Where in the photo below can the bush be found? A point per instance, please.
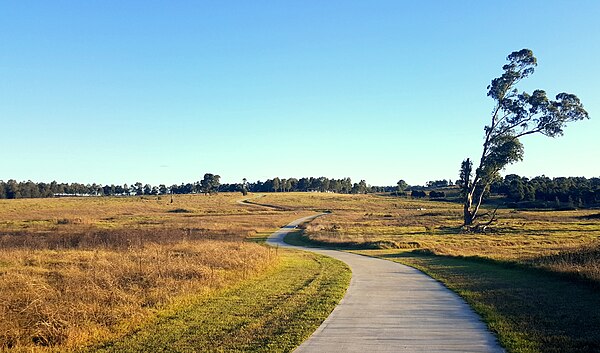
(436, 194)
(418, 194)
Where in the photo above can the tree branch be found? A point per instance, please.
(529, 132)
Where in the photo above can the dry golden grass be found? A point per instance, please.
(215, 215)
(77, 270)
(529, 310)
(71, 297)
(550, 239)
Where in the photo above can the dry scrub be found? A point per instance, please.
(77, 270)
(561, 241)
(71, 297)
(583, 262)
(216, 215)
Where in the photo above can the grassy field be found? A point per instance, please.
(535, 279)
(111, 272)
(71, 222)
(79, 270)
(272, 313)
(530, 311)
(561, 241)
(67, 298)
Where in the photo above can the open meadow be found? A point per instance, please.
(76, 272)
(108, 273)
(309, 176)
(562, 241)
(533, 278)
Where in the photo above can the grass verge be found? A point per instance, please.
(529, 310)
(274, 312)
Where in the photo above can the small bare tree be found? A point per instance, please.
(515, 115)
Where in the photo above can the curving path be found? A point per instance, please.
(248, 202)
(390, 307)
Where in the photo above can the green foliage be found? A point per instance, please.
(504, 149)
(244, 187)
(402, 185)
(439, 183)
(436, 194)
(547, 192)
(210, 183)
(419, 194)
(515, 115)
(464, 179)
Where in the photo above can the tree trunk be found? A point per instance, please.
(467, 216)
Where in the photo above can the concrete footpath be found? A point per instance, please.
(390, 307)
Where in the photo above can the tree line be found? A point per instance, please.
(29, 189)
(210, 183)
(543, 191)
(320, 184)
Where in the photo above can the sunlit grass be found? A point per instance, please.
(534, 279)
(395, 222)
(75, 270)
(531, 311)
(220, 213)
(272, 313)
(98, 249)
(66, 298)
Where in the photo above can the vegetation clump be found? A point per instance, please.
(179, 210)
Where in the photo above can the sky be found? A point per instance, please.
(162, 92)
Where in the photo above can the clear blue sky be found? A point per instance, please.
(162, 92)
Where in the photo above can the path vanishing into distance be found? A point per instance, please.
(390, 307)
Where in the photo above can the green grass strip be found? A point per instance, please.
(272, 313)
(529, 310)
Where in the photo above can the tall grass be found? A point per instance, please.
(272, 312)
(559, 241)
(216, 214)
(582, 262)
(66, 298)
(74, 271)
